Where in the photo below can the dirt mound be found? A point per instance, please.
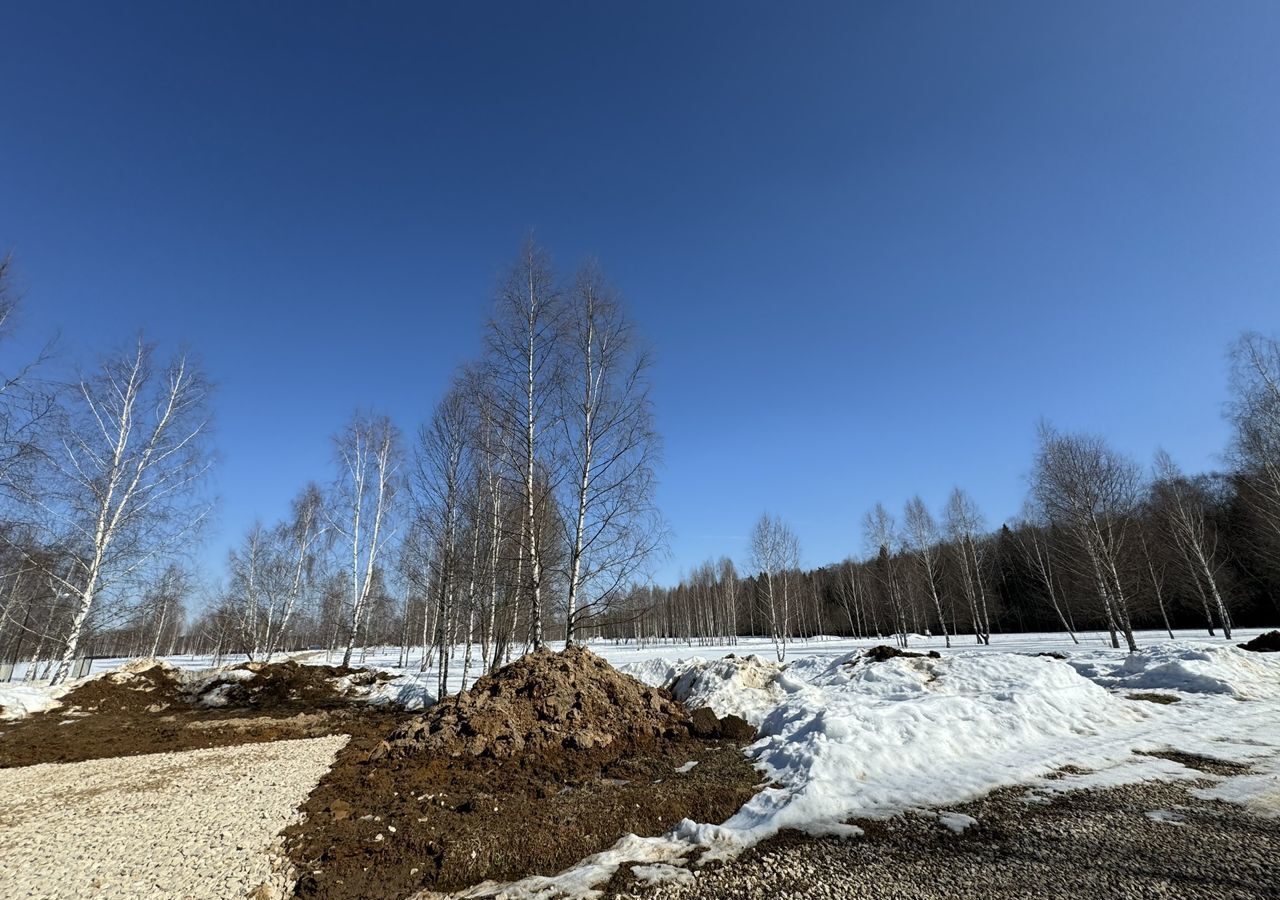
(145, 685)
(283, 685)
(884, 652)
(704, 723)
(545, 702)
(542, 763)
(1268, 642)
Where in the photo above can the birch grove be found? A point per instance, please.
(122, 476)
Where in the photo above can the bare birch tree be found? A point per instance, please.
(1091, 491)
(524, 369)
(964, 524)
(923, 539)
(880, 537)
(611, 447)
(1180, 504)
(1254, 412)
(368, 451)
(121, 476)
(775, 550)
(441, 473)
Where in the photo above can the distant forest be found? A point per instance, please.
(521, 512)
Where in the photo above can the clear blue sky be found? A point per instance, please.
(872, 242)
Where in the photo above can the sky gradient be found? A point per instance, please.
(872, 243)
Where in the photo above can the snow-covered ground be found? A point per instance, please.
(844, 738)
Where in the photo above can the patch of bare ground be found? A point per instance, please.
(1146, 840)
(147, 709)
(548, 760)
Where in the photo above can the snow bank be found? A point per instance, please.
(850, 738)
(1189, 669)
(18, 700)
(412, 691)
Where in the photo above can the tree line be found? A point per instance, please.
(519, 512)
(1103, 543)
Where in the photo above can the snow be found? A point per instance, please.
(957, 822)
(18, 699)
(687, 767)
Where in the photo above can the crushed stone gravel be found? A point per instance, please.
(196, 824)
(1083, 844)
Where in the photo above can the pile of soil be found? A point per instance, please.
(545, 702)
(147, 707)
(141, 686)
(1268, 642)
(287, 684)
(884, 652)
(546, 761)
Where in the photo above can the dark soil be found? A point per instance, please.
(1268, 642)
(1150, 697)
(1208, 764)
(548, 760)
(544, 702)
(884, 652)
(147, 711)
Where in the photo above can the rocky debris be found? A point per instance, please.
(884, 652)
(1268, 642)
(704, 723)
(544, 702)
(1052, 654)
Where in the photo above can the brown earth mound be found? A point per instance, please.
(141, 686)
(284, 685)
(884, 652)
(545, 702)
(544, 762)
(1268, 642)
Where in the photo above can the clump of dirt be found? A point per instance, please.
(884, 652)
(1268, 642)
(1052, 654)
(1151, 697)
(545, 702)
(704, 723)
(544, 762)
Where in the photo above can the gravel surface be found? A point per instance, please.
(198, 824)
(1147, 840)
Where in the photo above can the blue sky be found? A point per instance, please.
(872, 243)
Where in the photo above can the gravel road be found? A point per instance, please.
(1146, 840)
(198, 824)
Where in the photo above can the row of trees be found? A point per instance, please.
(519, 512)
(1101, 544)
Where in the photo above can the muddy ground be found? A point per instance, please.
(552, 759)
(148, 711)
